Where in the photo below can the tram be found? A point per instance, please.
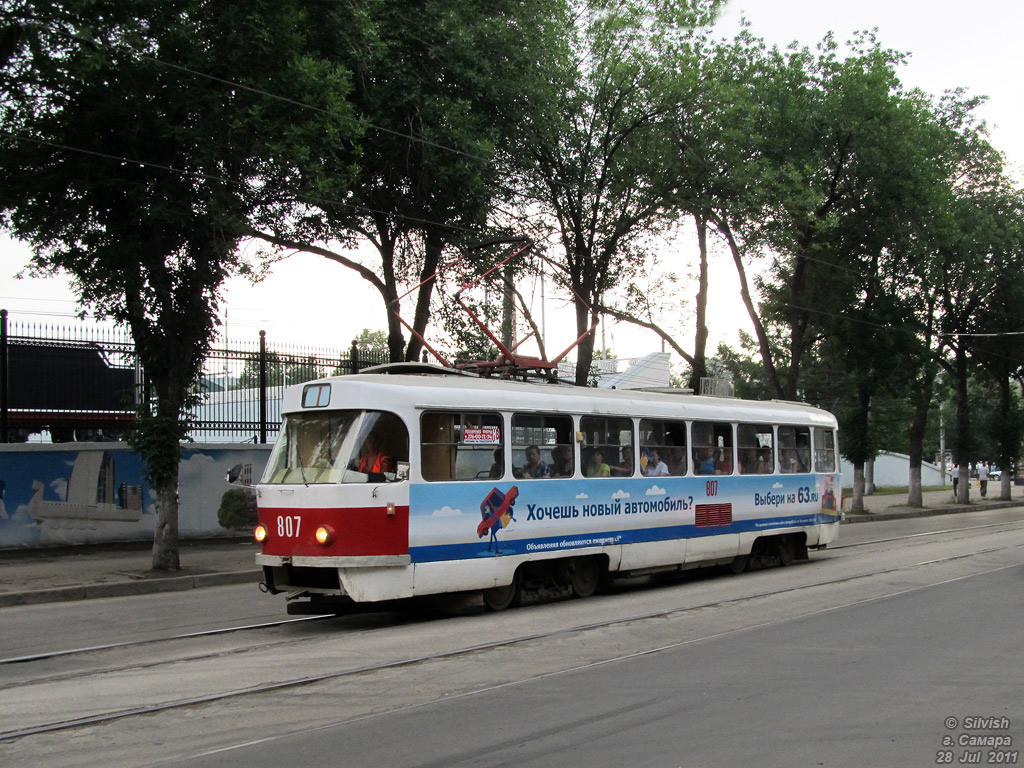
(414, 479)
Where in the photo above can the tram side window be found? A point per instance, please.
(756, 445)
(607, 441)
(461, 445)
(824, 450)
(794, 449)
(542, 446)
(712, 448)
(662, 442)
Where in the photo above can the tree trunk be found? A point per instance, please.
(165, 536)
(963, 429)
(922, 400)
(857, 505)
(699, 367)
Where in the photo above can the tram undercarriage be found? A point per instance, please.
(314, 590)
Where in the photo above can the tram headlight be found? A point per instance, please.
(260, 533)
(324, 535)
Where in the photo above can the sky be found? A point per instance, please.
(308, 300)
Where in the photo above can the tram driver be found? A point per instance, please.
(373, 459)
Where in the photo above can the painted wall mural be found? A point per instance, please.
(88, 493)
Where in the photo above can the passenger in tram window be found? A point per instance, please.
(374, 460)
(534, 466)
(498, 467)
(705, 461)
(561, 461)
(724, 464)
(625, 467)
(655, 466)
(676, 461)
(789, 463)
(596, 466)
(764, 463)
(803, 453)
(748, 462)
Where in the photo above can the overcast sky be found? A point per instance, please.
(974, 45)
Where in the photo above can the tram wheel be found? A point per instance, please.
(500, 598)
(786, 550)
(739, 563)
(586, 575)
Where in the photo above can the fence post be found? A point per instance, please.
(353, 357)
(3, 376)
(263, 387)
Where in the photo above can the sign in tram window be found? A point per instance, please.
(662, 448)
(794, 449)
(824, 450)
(712, 448)
(461, 446)
(756, 445)
(542, 446)
(607, 442)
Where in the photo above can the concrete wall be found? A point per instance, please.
(86, 493)
(893, 469)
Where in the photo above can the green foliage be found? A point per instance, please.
(372, 342)
(595, 157)
(235, 510)
(747, 374)
(141, 140)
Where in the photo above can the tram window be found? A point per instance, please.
(461, 445)
(712, 448)
(824, 450)
(607, 441)
(331, 447)
(756, 446)
(794, 449)
(668, 439)
(542, 446)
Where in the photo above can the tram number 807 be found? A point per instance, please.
(288, 526)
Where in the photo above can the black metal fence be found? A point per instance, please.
(82, 383)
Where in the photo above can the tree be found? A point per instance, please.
(807, 156)
(980, 296)
(139, 140)
(595, 162)
(441, 86)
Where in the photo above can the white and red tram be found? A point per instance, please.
(524, 490)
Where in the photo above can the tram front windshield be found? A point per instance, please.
(349, 446)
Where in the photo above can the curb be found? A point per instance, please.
(871, 517)
(128, 588)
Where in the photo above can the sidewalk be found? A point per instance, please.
(32, 576)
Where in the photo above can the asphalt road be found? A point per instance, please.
(863, 656)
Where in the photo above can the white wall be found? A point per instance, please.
(893, 469)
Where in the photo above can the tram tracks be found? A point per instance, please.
(115, 714)
(264, 625)
(150, 641)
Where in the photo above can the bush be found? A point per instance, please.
(235, 510)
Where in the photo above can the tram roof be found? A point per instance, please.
(412, 391)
